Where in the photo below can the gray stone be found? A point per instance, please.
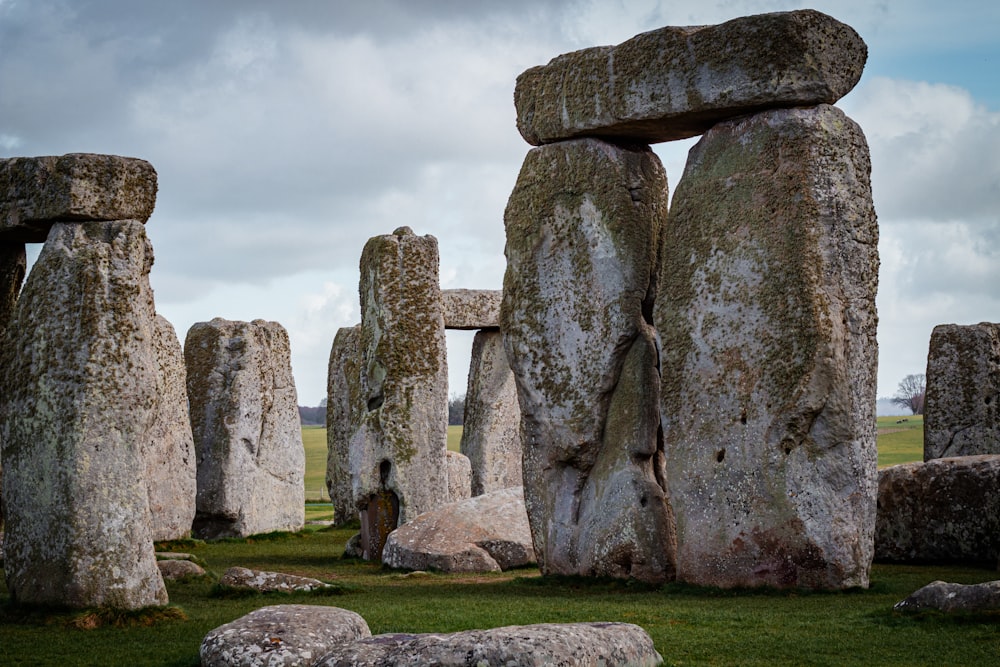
(286, 635)
(488, 533)
(766, 313)
(344, 412)
(79, 372)
(952, 598)
(962, 405)
(677, 82)
(245, 422)
(269, 582)
(174, 569)
(13, 265)
(398, 460)
(471, 309)
(605, 644)
(584, 226)
(943, 510)
(459, 476)
(171, 468)
(38, 191)
(491, 436)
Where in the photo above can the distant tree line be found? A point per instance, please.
(911, 392)
(313, 416)
(456, 410)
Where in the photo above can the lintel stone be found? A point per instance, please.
(471, 309)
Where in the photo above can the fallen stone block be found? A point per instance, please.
(173, 569)
(269, 582)
(953, 598)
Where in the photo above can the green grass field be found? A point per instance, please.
(900, 440)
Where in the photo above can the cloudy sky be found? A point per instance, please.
(285, 134)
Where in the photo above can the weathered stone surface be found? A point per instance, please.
(606, 644)
(13, 264)
(459, 476)
(398, 461)
(245, 423)
(491, 436)
(677, 82)
(943, 510)
(488, 533)
(951, 598)
(766, 312)
(962, 405)
(38, 191)
(269, 582)
(584, 226)
(171, 468)
(173, 569)
(287, 634)
(344, 411)
(471, 308)
(79, 373)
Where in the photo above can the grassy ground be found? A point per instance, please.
(314, 439)
(900, 440)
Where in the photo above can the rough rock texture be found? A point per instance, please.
(675, 82)
(584, 226)
(491, 436)
(766, 312)
(172, 569)
(38, 191)
(287, 634)
(962, 405)
(471, 309)
(268, 582)
(79, 373)
(951, 598)
(605, 644)
(398, 461)
(459, 476)
(245, 422)
(13, 264)
(488, 533)
(944, 510)
(344, 411)
(171, 468)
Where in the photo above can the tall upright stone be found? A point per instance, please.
(491, 436)
(766, 312)
(344, 410)
(245, 422)
(584, 226)
(79, 373)
(398, 460)
(13, 265)
(962, 405)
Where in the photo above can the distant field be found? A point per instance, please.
(900, 440)
(314, 439)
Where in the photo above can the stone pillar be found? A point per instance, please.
(400, 447)
(79, 373)
(245, 421)
(344, 410)
(766, 311)
(962, 406)
(13, 264)
(491, 437)
(584, 225)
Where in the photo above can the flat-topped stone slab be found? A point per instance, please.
(36, 192)
(677, 82)
(471, 308)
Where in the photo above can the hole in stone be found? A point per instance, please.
(743, 416)
(788, 450)
(375, 402)
(384, 469)
(989, 399)
(720, 455)
(643, 501)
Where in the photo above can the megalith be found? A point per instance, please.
(79, 373)
(398, 460)
(766, 313)
(962, 404)
(13, 265)
(471, 308)
(344, 410)
(245, 422)
(491, 436)
(584, 226)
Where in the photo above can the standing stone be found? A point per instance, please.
(171, 468)
(491, 436)
(459, 476)
(766, 312)
(677, 82)
(79, 373)
(13, 264)
(398, 461)
(962, 406)
(584, 225)
(344, 411)
(245, 421)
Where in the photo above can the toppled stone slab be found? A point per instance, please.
(488, 533)
(38, 191)
(677, 82)
(173, 569)
(79, 376)
(245, 422)
(962, 406)
(943, 510)
(288, 634)
(606, 644)
(766, 312)
(953, 598)
(269, 582)
(471, 309)
(344, 412)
